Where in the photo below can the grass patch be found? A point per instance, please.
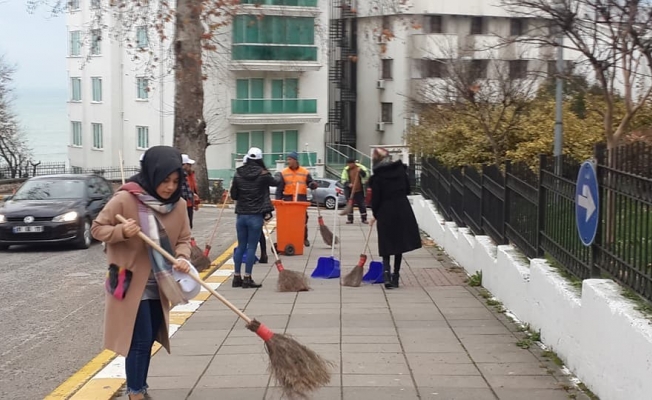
(525, 343)
(640, 304)
(586, 391)
(552, 356)
(575, 282)
(485, 294)
(475, 280)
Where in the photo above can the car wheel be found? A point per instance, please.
(330, 203)
(86, 238)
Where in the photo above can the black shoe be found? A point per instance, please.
(248, 283)
(306, 243)
(237, 281)
(395, 278)
(364, 221)
(387, 278)
(349, 222)
(263, 259)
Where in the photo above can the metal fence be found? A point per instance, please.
(535, 210)
(110, 173)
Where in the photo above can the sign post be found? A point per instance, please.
(587, 204)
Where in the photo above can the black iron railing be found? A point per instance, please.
(535, 210)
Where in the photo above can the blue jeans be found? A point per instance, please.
(249, 228)
(148, 322)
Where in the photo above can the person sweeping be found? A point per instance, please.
(250, 190)
(295, 181)
(141, 286)
(398, 231)
(354, 177)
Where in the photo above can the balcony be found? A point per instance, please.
(273, 57)
(273, 111)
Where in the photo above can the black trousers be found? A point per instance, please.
(397, 263)
(191, 212)
(263, 244)
(358, 199)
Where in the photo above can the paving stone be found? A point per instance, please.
(531, 368)
(451, 381)
(233, 381)
(379, 393)
(170, 365)
(531, 394)
(522, 382)
(379, 340)
(171, 382)
(519, 355)
(438, 393)
(371, 347)
(168, 394)
(351, 380)
(235, 364)
(230, 394)
(369, 363)
(325, 393)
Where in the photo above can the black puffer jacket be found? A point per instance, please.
(250, 189)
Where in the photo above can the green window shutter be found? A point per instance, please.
(291, 88)
(241, 143)
(291, 141)
(242, 88)
(258, 140)
(293, 31)
(277, 88)
(277, 145)
(257, 88)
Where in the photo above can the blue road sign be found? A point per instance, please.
(587, 203)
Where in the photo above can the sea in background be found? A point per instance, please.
(43, 117)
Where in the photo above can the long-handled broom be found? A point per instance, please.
(198, 258)
(288, 281)
(354, 278)
(296, 368)
(349, 204)
(207, 248)
(326, 233)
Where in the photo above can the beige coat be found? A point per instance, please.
(120, 315)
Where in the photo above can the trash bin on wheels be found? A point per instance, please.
(290, 226)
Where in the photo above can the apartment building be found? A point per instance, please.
(120, 99)
(266, 86)
(401, 52)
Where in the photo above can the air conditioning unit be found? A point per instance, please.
(380, 84)
(380, 127)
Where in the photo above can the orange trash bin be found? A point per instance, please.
(290, 226)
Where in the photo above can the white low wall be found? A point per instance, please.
(598, 334)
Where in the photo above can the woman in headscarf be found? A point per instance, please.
(250, 190)
(398, 231)
(139, 296)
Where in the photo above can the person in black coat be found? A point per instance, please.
(250, 190)
(398, 231)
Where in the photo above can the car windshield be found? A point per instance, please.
(51, 190)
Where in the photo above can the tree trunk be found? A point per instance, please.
(189, 125)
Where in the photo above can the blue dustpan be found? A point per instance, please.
(375, 273)
(327, 268)
(244, 257)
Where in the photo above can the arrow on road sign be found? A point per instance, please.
(585, 200)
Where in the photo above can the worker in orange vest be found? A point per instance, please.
(296, 180)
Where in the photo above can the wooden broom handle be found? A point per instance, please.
(268, 236)
(366, 243)
(219, 218)
(173, 260)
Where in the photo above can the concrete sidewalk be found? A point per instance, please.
(433, 338)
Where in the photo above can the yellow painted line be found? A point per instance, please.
(80, 383)
(202, 296)
(216, 279)
(178, 318)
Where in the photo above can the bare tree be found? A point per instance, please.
(14, 151)
(613, 38)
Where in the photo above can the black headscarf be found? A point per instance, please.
(159, 162)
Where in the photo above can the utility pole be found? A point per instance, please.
(559, 96)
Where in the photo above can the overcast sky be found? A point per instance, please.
(36, 43)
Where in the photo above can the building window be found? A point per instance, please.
(96, 42)
(142, 40)
(285, 88)
(478, 69)
(95, 4)
(517, 69)
(245, 140)
(98, 136)
(73, 5)
(433, 68)
(75, 44)
(284, 142)
(143, 137)
(386, 112)
(477, 26)
(517, 26)
(434, 24)
(386, 72)
(76, 128)
(274, 38)
(75, 89)
(142, 88)
(97, 89)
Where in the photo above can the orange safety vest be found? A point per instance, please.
(292, 178)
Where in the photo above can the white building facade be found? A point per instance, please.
(266, 87)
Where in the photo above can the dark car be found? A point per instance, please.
(53, 209)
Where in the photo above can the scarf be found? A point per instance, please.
(150, 225)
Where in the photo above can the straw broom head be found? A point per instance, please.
(297, 369)
(290, 281)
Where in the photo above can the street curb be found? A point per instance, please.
(82, 380)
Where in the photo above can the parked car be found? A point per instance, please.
(53, 209)
(325, 194)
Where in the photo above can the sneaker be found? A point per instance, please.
(387, 279)
(237, 281)
(248, 283)
(395, 279)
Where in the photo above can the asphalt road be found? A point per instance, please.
(51, 309)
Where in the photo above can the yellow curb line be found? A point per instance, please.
(81, 381)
